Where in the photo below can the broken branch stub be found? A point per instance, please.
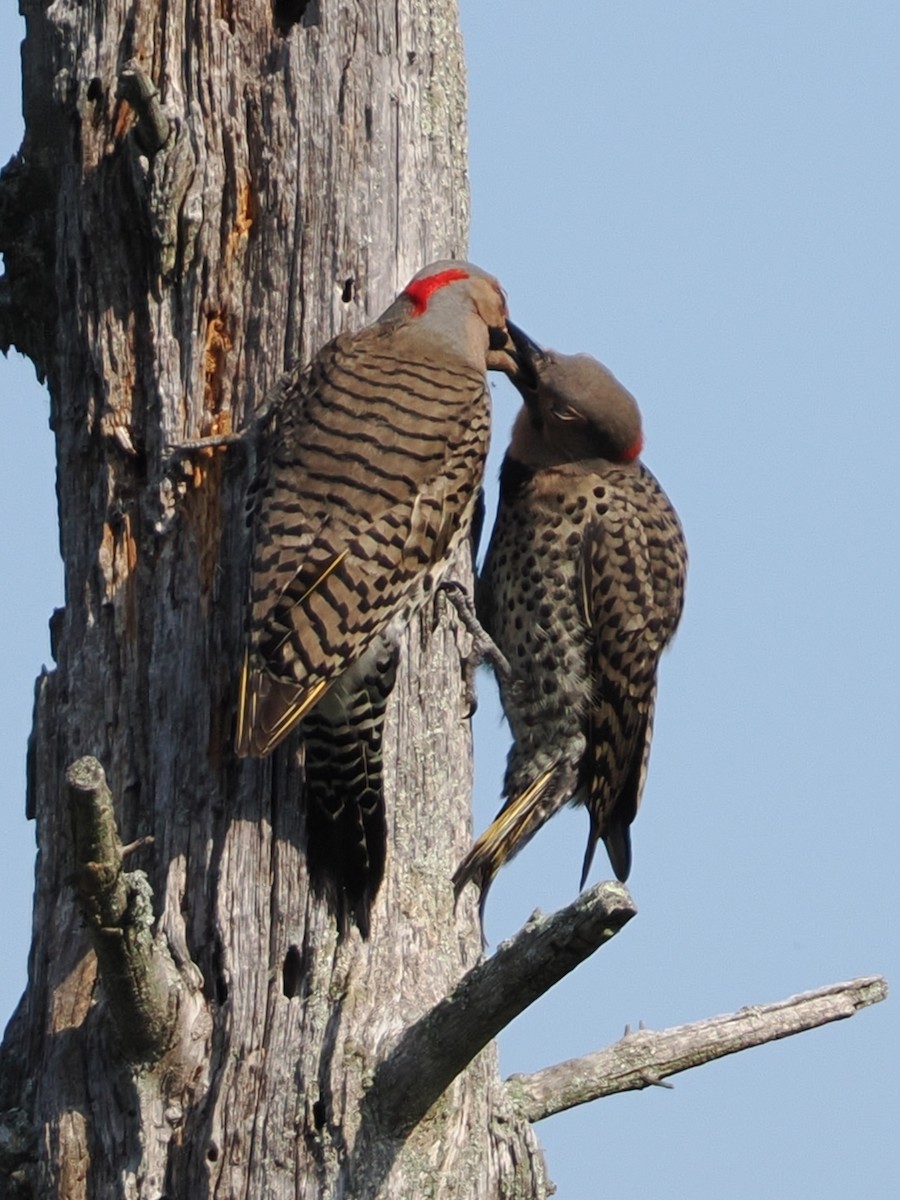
(139, 979)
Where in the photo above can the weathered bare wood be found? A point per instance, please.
(269, 174)
(646, 1057)
(138, 976)
(315, 159)
(433, 1051)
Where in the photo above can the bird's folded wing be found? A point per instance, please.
(351, 581)
(617, 599)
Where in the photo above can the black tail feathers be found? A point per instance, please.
(345, 830)
(345, 813)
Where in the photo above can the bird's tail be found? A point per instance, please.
(515, 825)
(345, 815)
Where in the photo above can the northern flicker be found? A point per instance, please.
(370, 471)
(582, 588)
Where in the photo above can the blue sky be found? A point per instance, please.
(704, 196)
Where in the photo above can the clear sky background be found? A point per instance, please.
(705, 196)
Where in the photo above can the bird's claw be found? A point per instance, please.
(483, 647)
(178, 451)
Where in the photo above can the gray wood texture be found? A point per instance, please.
(206, 194)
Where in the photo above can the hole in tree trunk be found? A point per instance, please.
(347, 293)
(289, 13)
(291, 972)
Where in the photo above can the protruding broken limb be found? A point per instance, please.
(164, 169)
(483, 649)
(140, 981)
(441, 1044)
(645, 1058)
(139, 91)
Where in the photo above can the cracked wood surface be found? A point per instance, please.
(289, 178)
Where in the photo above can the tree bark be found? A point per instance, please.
(206, 194)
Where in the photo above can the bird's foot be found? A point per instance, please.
(202, 447)
(484, 649)
(186, 466)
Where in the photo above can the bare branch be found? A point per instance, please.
(138, 977)
(433, 1051)
(645, 1058)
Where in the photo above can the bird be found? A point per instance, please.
(582, 589)
(369, 474)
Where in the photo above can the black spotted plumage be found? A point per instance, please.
(582, 588)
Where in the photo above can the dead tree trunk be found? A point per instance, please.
(205, 194)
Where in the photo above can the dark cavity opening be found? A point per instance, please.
(291, 972)
(289, 13)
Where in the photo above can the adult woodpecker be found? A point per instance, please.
(582, 589)
(371, 468)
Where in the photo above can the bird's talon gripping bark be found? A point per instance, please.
(202, 446)
(483, 647)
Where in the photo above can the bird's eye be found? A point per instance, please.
(565, 412)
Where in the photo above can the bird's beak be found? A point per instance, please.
(527, 356)
(513, 352)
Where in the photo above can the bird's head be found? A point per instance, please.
(574, 408)
(462, 306)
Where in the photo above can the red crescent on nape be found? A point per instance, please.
(420, 291)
